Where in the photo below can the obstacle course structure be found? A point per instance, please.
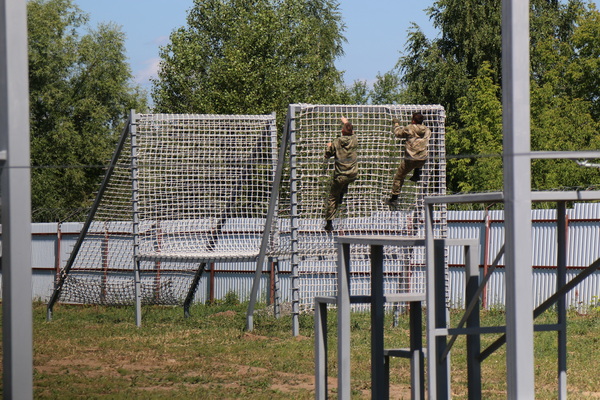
(180, 192)
(305, 186)
(183, 191)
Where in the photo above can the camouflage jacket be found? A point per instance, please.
(343, 149)
(417, 140)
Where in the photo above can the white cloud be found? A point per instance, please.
(161, 40)
(149, 71)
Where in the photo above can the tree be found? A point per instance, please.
(565, 72)
(358, 93)
(480, 111)
(251, 56)
(388, 89)
(80, 95)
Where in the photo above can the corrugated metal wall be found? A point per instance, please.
(583, 249)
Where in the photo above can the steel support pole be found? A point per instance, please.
(295, 225)
(277, 173)
(136, 221)
(430, 298)
(561, 280)
(440, 313)
(343, 329)
(379, 387)
(320, 349)
(517, 193)
(417, 367)
(473, 321)
(17, 315)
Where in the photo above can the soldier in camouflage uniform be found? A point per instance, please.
(343, 149)
(415, 152)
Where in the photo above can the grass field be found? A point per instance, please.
(92, 352)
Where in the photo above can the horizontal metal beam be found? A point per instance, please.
(492, 197)
(578, 195)
(565, 154)
(381, 240)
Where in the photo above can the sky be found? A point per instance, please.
(376, 31)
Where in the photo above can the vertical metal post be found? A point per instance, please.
(104, 252)
(417, 368)
(561, 280)
(58, 253)
(517, 191)
(211, 284)
(379, 388)
(473, 340)
(343, 329)
(260, 261)
(294, 221)
(136, 221)
(438, 346)
(430, 295)
(17, 315)
(276, 290)
(486, 255)
(320, 350)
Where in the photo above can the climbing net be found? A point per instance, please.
(185, 190)
(364, 210)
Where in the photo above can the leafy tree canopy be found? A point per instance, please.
(461, 69)
(251, 56)
(80, 94)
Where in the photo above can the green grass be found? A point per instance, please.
(97, 352)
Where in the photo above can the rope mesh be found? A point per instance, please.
(203, 184)
(203, 187)
(364, 210)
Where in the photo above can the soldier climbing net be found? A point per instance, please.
(181, 191)
(186, 190)
(364, 210)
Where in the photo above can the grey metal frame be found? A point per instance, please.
(517, 197)
(517, 186)
(438, 362)
(17, 315)
(438, 371)
(379, 354)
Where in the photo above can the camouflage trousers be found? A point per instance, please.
(405, 167)
(339, 187)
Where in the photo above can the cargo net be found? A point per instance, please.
(364, 210)
(201, 186)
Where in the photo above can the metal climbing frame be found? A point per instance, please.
(438, 330)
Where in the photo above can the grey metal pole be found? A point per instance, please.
(267, 229)
(561, 280)
(295, 224)
(473, 321)
(379, 386)
(517, 191)
(343, 329)
(17, 315)
(437, 348)
(320, 350)
(136, 221)
(417, 367)
(430, 301)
